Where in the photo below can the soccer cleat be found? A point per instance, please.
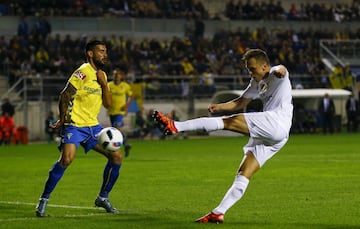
(164, 123)
(41, 207)
(211, 218)
(127, 150)
(105, 203)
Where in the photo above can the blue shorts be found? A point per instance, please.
(84, 136)
(117, 120)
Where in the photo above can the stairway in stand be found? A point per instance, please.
(4, 87)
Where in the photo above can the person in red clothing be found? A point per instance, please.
(7, 126)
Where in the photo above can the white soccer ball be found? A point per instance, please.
(110, 139)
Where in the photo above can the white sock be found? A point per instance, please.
(234, 194)
(207, 124)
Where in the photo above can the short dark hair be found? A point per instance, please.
(90, 46)
(258, 54)
(123, 68)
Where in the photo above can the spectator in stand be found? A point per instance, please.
(7, 107)
(42, 27)
(310, 122)
(42, 59)
(140, 130)
(50, 132)
(23, 28)
(7, 126)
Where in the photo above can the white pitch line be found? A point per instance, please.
(65, 216)
(50, 205)
(56, 206)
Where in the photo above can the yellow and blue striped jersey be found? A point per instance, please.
(85, 105)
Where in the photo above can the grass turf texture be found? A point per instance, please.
(313, 182)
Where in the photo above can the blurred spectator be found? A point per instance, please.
(42, 59)
(23, 28)
(199, 28)
(326, 109)
(349, 79)
(42, 27)
(7, 107)
(140, 128)
(7, 126)
(310, 122)
(50, 132)
(299, 118)
(352, 112)
(337, 77)
(189, 27)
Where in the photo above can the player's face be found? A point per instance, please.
(256, 69)
(100, 57)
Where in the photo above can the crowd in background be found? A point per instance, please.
(303, 11)
(233, 9)
(39, 52)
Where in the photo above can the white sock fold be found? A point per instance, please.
(234, 194)
(207, 124)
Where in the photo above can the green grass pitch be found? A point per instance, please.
(313, 182)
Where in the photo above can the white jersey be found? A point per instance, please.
(275, 94)
(269, 130)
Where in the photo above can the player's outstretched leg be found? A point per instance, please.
(211, 218)
(165, 124)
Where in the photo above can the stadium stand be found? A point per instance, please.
(38, 52)
(310, 39)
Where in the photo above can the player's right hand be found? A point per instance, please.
(100, 74)
(212, 108)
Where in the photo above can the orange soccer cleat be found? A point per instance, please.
(165, 123)
(211, 218)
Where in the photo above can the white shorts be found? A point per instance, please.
(261, 151)
(267, 134)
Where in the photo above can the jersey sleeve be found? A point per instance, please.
(251, 91)
(77, 78)
(129, 91)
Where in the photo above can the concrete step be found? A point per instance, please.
(4, 87)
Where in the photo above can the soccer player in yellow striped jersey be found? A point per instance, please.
(122, 96)
(79, 105)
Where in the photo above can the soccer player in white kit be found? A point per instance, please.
(268, 130)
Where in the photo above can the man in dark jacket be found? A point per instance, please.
(326, 109)
(352, 110)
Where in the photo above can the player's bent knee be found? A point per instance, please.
(116, 157)
(66, 161)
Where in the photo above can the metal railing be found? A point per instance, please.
(31, 88)
(341, 51)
